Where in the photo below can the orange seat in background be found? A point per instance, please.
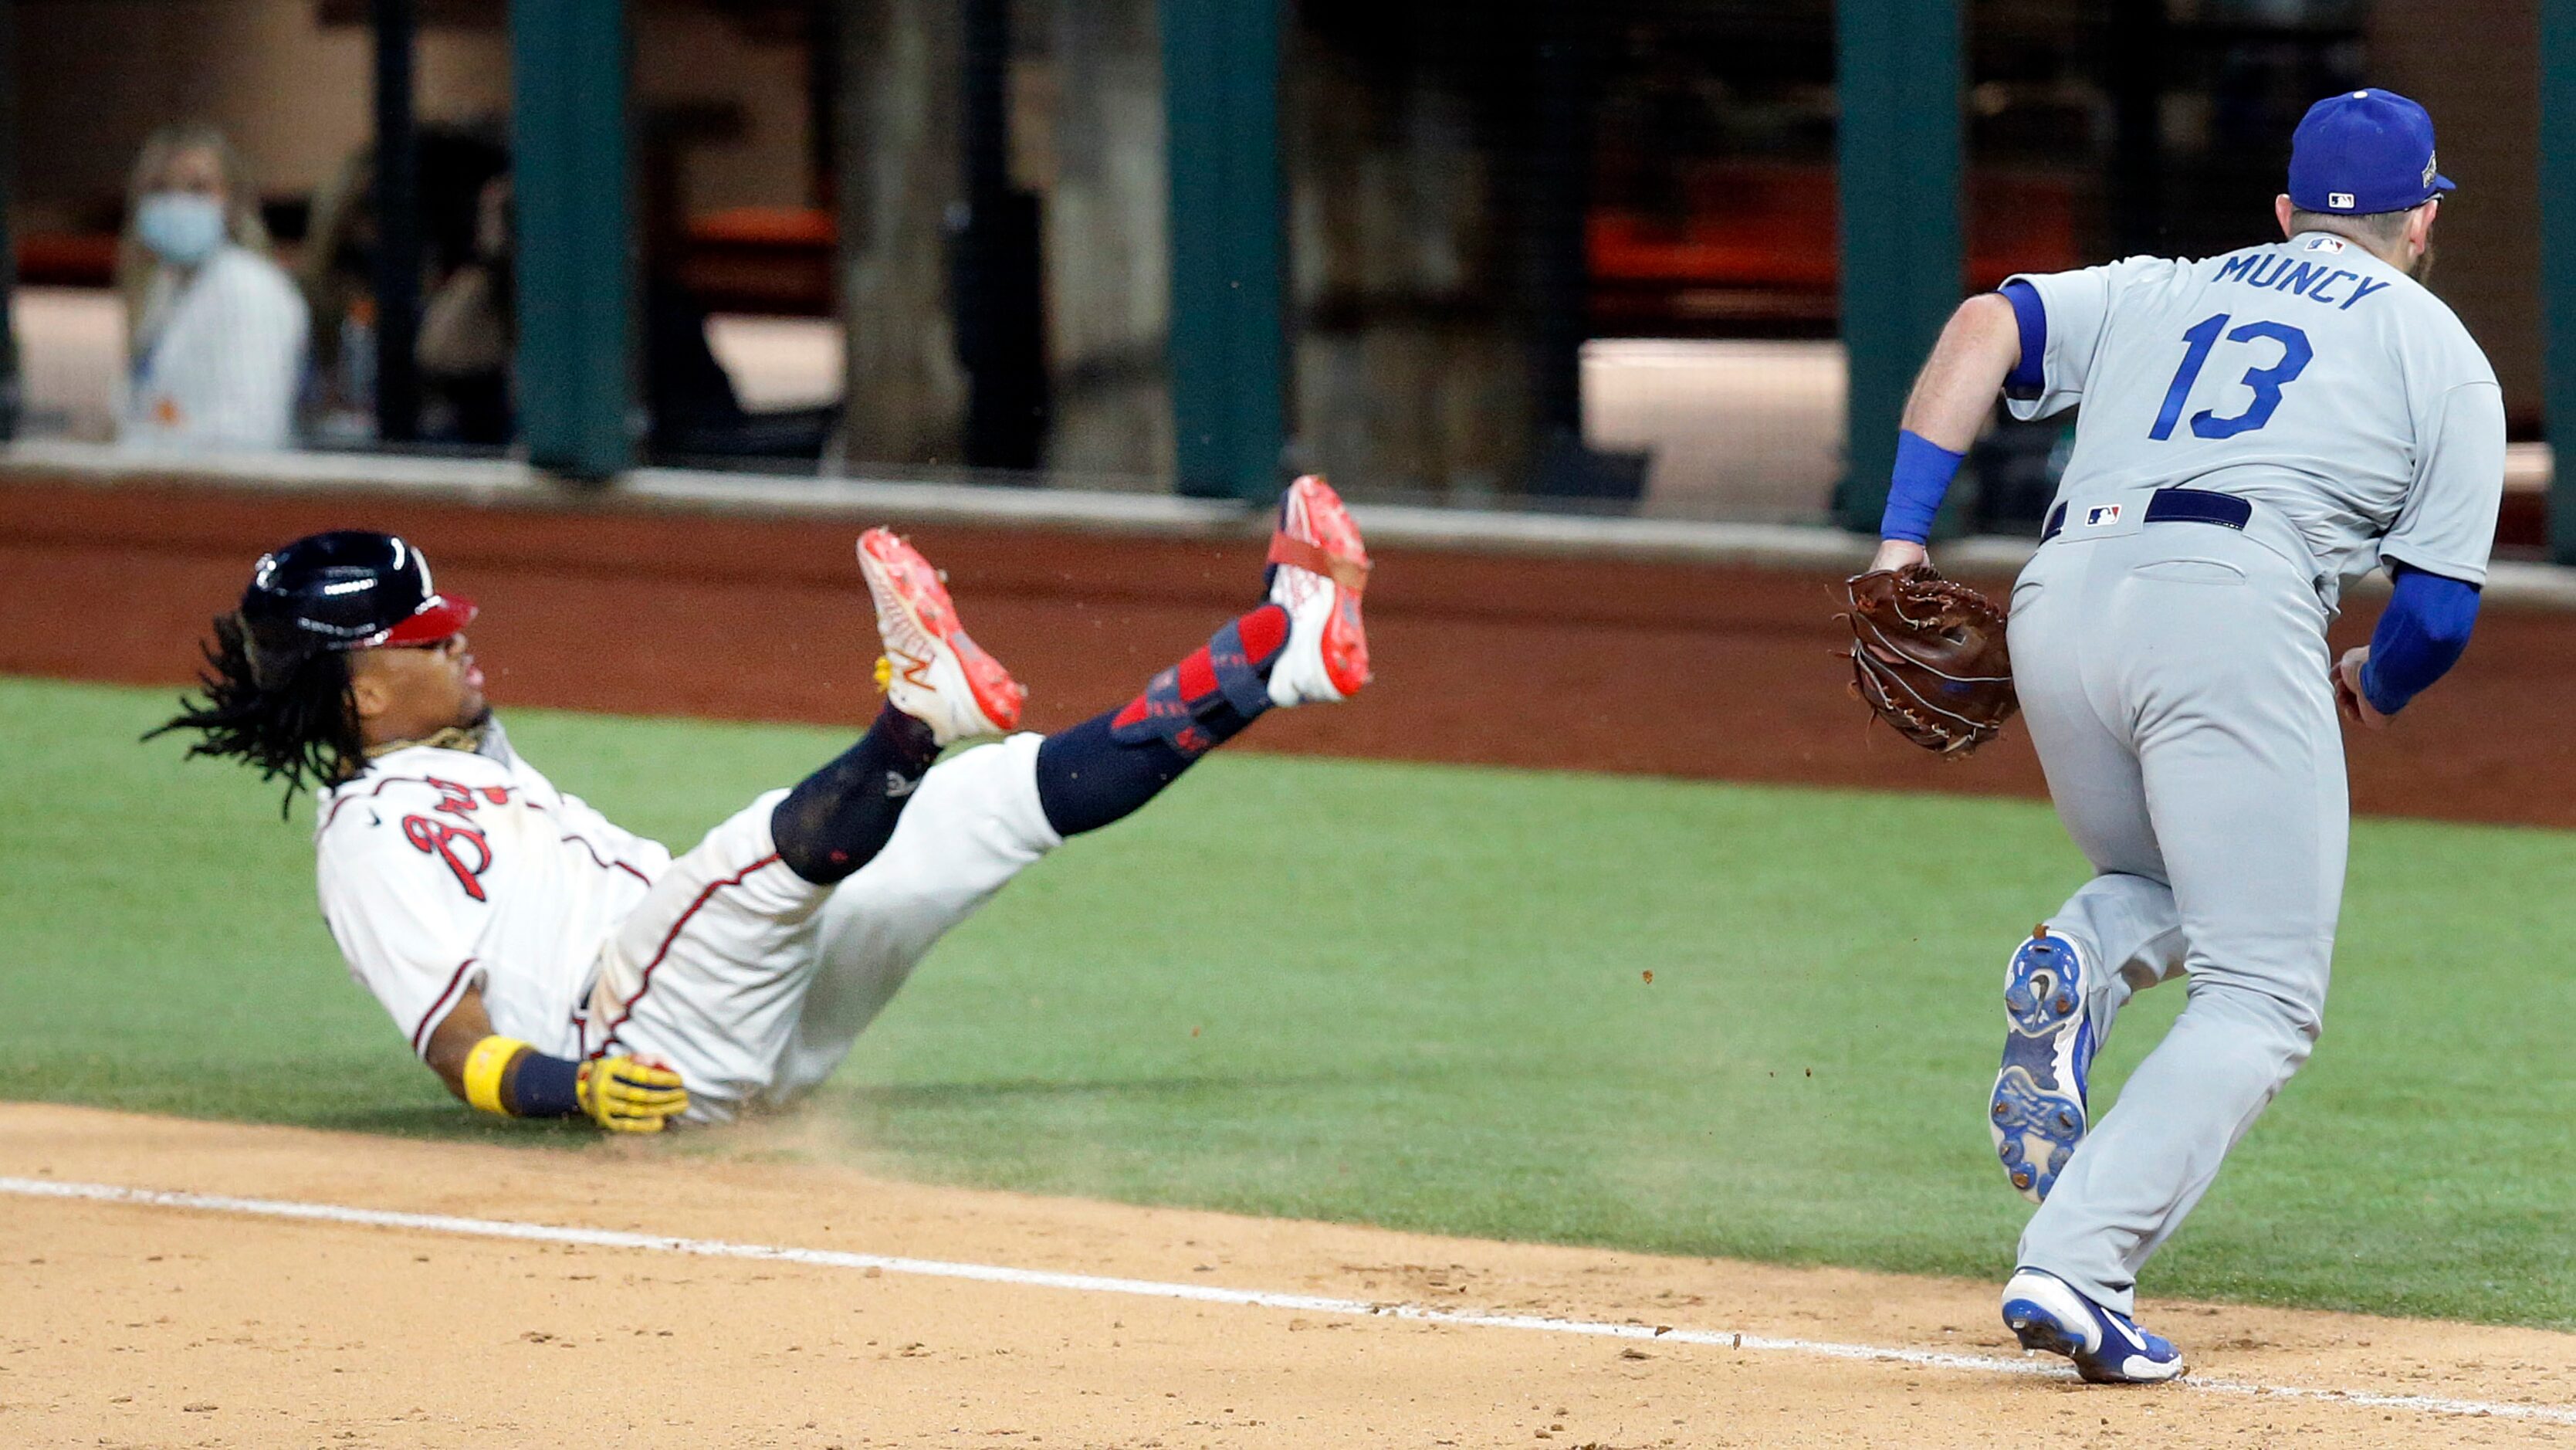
(1760, 242)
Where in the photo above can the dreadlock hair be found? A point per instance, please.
(303, 732)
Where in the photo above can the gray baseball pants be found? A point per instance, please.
(2175, 680)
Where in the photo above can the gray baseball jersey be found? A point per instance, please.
(2307, 375)
(2174, 678)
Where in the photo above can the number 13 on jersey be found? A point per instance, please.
(2266, 382)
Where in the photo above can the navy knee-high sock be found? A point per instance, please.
(837, 819)
(1107, 766)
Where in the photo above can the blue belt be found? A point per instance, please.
(2175, 506)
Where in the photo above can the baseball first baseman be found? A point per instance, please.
(2256, 428)
(545, 963)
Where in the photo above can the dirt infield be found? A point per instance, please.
(177, 1326)
(1653, 667)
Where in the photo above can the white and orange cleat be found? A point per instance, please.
(931, 670)
(1318, 570)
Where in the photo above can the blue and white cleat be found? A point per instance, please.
(2108, 1347)
(2037, 1113)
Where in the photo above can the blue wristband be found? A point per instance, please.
(543, 1087)
(1914, 492)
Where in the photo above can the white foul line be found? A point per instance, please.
(490, 1228)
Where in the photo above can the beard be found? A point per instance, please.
(2421, 269)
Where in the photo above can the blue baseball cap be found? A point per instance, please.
(2359, 152)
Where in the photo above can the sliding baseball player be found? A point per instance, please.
(545, 962)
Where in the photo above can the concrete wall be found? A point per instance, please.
(905, 395)
(1411, 373)
(1090, 141)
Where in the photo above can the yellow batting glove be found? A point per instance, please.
(630, 1094)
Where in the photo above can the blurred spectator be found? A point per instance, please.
(215, 331)
(691, 409)
(466, 348)
(469, 332)
(467, 327)
(464, 227)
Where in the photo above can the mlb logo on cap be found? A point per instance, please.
(2364, 152)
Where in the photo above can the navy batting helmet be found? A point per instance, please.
(344, 590)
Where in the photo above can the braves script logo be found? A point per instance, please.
(465, 849)
(461, 847)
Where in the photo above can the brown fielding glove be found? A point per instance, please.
(1928, 655)
(630, 1094)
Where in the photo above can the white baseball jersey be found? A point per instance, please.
(222, 357)
(446, 869)
(2306, 375)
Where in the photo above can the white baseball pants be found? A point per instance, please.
(753, 983)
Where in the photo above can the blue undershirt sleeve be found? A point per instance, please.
(2419, 637)
(2026, 380)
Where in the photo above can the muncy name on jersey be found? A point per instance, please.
(2319, 282)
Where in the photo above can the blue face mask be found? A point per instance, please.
(182, 227)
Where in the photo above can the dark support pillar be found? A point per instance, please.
(568, 136)
(12, 396)
(1899, 145)
(397, 199)
(2136, 66)
(1560, 185)
(2558, 262)
(1229, 341)
(1560, 276)
(996, 261)
(823, 88)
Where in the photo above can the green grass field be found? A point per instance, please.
(1406, 995)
